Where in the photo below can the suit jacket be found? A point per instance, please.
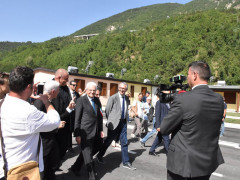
(114, 111)
(49, 142)
(72, 114)
(161, 110)
(194, 120)
(88, 124)
(61, 102)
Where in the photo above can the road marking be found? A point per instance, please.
(217, 174)
(230, 144)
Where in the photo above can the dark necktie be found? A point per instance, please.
(123, 108)
(93, 105)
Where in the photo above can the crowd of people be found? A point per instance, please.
(193, 119)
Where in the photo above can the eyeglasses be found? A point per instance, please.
(73, 84)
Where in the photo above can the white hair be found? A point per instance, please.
(51, 85)
(124, 83)
(91, 84)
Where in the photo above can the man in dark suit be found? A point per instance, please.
(194, 120)
(62, 103)
(161, 110)
(74, 97)
(117, 113)
(88, 128)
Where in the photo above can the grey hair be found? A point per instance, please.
(124, 84)
(91, 84)
(50, 85)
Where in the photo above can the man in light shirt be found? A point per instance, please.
(21, 122)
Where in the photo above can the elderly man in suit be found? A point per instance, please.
(117, 113)
(194, 120)
(88, 128)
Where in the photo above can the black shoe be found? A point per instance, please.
(71, 150)
(153, 154)
(100, 160)
(128, 165)
(142, 144)
(74, 171)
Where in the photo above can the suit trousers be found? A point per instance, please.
(85, 155)
(158, 140)
(144, 126)
(172, 176)
(112, 135)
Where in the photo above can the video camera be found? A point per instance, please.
(168, 97)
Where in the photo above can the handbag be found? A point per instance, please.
(132, 113)
(25, 171)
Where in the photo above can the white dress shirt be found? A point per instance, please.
(125, 104)
(21, 124)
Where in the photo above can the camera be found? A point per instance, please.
(40, 88)
(177, 84)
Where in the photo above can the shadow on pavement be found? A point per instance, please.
(113, 161)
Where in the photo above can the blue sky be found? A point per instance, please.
(41, 20)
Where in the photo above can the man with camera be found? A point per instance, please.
(22, 122)
(194, 120)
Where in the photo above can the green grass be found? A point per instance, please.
(233, 114)
(236, 121)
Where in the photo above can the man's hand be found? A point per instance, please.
(72, 104)
(158, 129)
(62, 124)
(102, 134)
(78, 140)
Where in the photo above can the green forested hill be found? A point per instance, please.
(139, 18)
(133, 19)
(202, 5)
(164, 48)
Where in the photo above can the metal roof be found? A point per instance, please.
(97, 77)
(225, 88)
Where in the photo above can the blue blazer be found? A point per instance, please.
(161, 110)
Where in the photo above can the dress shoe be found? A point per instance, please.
(128, 165)
(71, 150)
(142, 144)
(153, 154)
(74, 171)
(100, 160)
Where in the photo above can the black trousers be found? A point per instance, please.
(50, 155)
(88, 148)
(172, 176)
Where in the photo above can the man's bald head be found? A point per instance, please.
(62, 76)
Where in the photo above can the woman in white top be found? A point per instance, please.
(137, 107)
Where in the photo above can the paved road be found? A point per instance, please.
(150, 167)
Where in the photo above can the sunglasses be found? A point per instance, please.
(73, 84)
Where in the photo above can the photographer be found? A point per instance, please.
(21, 122)
(194, 120)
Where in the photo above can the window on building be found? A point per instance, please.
(113, 88)
(80, 84)
(230, 97)
(144, 89)
(104, 88)
(132, 91)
